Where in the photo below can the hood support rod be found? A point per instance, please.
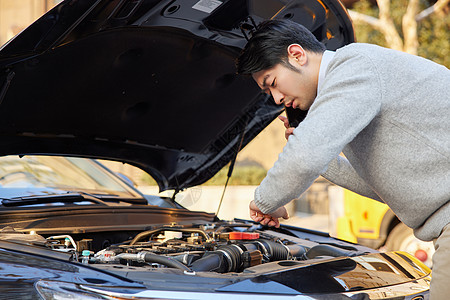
(5, 87)
(230, 169)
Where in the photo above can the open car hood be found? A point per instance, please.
(150, 83)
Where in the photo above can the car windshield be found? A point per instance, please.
(40, 175)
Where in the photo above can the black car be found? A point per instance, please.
(152, 83)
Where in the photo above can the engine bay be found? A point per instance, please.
(220, 247)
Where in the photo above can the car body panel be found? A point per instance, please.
(20, 271)
(368, 273)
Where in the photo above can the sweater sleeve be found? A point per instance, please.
(349, 100)
(341, 172)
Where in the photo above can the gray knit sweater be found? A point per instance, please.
(389, 113)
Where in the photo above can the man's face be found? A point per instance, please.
(296, 89)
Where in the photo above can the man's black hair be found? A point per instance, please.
(268, 46)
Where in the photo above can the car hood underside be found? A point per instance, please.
(150, 83)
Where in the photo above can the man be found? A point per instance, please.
(388, 112)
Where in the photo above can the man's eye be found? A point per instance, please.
(273, 83)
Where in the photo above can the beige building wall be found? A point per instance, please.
(16, 15)
(266, 147)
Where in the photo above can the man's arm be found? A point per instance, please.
(341, 172)
(266, 219)
(348, 102)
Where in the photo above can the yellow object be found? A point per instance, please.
(344, 230)
(362, 217)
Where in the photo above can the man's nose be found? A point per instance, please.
(278, 97)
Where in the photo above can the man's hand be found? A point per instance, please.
(289, 130)
(267, 219)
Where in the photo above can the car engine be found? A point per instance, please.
(200, 249)
(221, 247)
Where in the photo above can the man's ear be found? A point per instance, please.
(296, 52)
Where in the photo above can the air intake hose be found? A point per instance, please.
(276, 251)
(149, 257)
(230, 258)
(328, 250)
(224, 259)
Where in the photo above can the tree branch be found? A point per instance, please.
(437, 8)
(388, 28)
(409, 26)
(362, 18)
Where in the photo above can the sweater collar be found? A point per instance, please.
(326, 58)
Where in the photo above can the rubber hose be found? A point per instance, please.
(212, 262)
(327, 250)
(166, 261)
(297, 250)
(225, 259)
(276, 250)
(234, 253)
